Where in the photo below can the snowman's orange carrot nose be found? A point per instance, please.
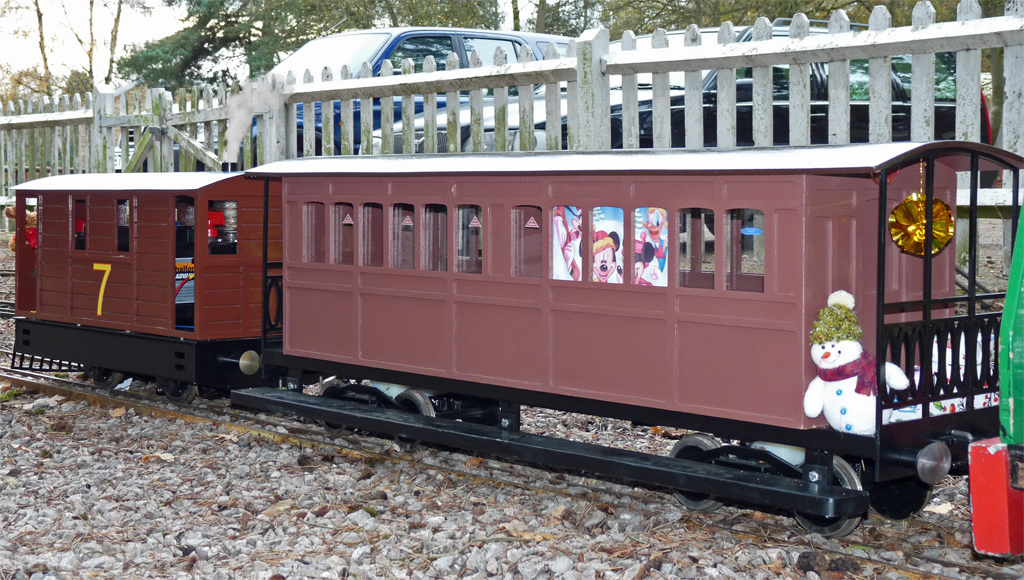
(826, 355)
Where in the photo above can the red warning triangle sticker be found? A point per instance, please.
(532, 223)
(407, 221)
(475, 223)
(348, 220)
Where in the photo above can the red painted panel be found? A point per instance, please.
(997, 510)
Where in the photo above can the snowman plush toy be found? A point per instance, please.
(846, 385)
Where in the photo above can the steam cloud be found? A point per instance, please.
(255, 97)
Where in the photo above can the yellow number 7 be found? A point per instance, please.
(105, 268)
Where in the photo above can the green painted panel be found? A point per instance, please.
(1011, 350)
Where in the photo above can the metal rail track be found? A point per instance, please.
(499, 473)
(6, 309)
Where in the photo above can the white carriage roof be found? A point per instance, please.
(125, 181)
(819, 159)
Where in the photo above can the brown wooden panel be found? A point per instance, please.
(50, 284)
(160, 311)
(217, 278)
(221, 297)
(49, 298)
(153, 246)
(153, 295)
(147, 214)
(159, 279)
(58, 271)
(226, 313)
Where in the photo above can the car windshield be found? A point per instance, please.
(333, 51)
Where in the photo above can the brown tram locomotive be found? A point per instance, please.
(156, 275)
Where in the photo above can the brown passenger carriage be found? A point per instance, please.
(445, 274)
(158, 275)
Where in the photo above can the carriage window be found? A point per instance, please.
(650, 248)
(606, 245)
(80, 217)
(124, 243)
(403, 236)
(470, 239)
(344, 234)
(314, 233)
(567, 231)
(373, 234)
(696, 248)
(184, 230)
(184, 262)
(222, 224)
(435, 238)
(527, 242)
(744, 246)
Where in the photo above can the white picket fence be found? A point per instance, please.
(61, 136)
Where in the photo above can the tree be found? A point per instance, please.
(255, 33)
(44, 80)
(568, 17)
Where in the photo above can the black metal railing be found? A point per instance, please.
(948, 361)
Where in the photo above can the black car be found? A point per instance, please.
(945, 103)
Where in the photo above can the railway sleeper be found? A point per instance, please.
(725, 480)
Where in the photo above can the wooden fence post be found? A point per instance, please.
(726, 94)
(552, 107)
(630, 99)
(763, 99)
(501, 107)
(922, 87)
(799, 88)
(593, 109)
(968, 80)
(880, 84)
(693, 106)
(660, 97)
(527, 138)
(1013, 102)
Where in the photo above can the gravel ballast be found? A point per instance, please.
(89, 492)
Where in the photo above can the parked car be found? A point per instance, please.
(396, 44)
(945, 102)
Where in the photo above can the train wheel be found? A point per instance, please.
(416, 401)
(843, 474)
(333, 429)
(106, 378)
(689, 447)
(901, 500)
(180, 392)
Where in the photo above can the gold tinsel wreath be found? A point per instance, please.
(908, 224)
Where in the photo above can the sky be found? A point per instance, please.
(60, 17)
(64, 52)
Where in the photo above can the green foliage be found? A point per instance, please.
(78, 82)
(11, 394)
(222, 33)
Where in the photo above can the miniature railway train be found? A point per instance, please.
(432, 296)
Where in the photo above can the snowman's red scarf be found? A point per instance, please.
(865, 369)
